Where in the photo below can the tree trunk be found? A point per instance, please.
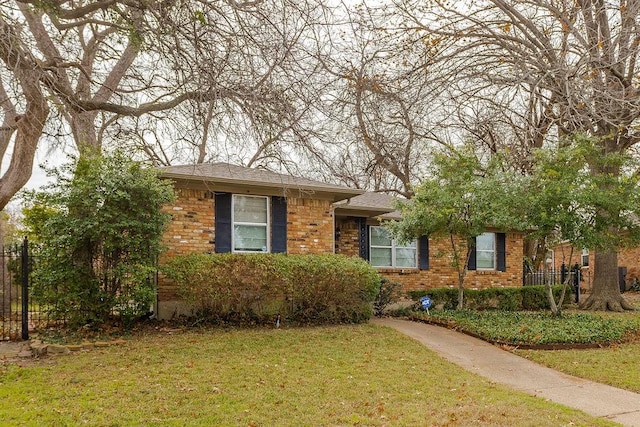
(605, 294)
(461, 295)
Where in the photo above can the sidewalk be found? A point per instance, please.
(521, 374)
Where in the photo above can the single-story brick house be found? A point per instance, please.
(228, 208)
(424, 263)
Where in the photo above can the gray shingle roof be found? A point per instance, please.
(225, 173)
(369, 204)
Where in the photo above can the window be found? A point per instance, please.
(250, 223)
(486, 251)
(387, 252)
(585, 257)
(490, 252)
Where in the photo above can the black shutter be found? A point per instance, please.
(363, 238)
(278, 225)
(501, 252)
(471, 264)
(423, 253)
(223, 222)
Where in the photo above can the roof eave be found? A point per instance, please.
(360, 211)
(335, 193)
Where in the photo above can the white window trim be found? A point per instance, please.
(233, 224)
(393, 247)
(494, 251)
(585, 253)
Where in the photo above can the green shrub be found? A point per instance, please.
(535, 297)
(442, 298)
(389, 294)
(256, 288)
(535, 327)
(506, 299)
(98, 226)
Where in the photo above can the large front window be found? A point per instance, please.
(387, 252)
(250, 223)
(486, 251)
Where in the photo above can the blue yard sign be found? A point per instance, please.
(426, 303)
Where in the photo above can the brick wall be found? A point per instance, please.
(440, 273)
(190, 230)
(309, 226)
(310, 229)
(630, 258)
(192, 226)
(349, 241)
(565, 254)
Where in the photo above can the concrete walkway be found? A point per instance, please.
(506, 368)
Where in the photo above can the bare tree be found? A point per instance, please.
(575, 61)
(115, 72)
(381, 101)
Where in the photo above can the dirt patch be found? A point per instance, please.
(633, 298)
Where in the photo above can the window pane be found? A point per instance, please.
(381, 257)
(250, 238)
(405, 257)
(485, 242)
(380, 237)
(411, 244)
(485, 259)
(250, 209)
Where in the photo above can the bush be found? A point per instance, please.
(256, 288)
(389, 294)
(535, 297)
(537, 328)
(98, 226)
(506, 299)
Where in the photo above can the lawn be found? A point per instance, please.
(617, 365)
(348, 375)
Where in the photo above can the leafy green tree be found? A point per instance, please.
(462, 199)
(99, 226)
(564, 200)
(552, 207)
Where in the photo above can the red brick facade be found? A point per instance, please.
(441, 273)
(192, 226)
(312, 227)
(309, 226)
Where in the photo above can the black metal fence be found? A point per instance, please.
(552, 277)
(18, 314)
(572, 277)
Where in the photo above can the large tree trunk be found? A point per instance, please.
(605, 294)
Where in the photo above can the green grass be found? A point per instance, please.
(617, 366)
(350, 375)
(526, 328)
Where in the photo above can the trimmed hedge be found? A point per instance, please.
(507, 299)
(257, 288)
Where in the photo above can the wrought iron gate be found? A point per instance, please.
(14, 292)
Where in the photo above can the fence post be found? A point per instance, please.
(576, 283)
(25, 289)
